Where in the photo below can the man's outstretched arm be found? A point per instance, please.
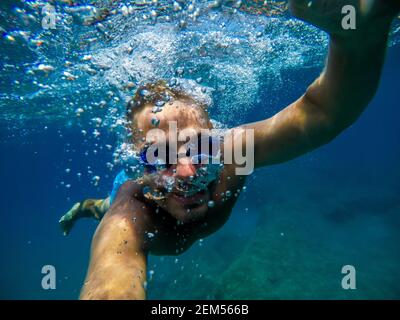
(117, 268)
(338, 97)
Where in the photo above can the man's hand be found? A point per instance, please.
(67, 221)
(90, 208)
(327, 14)
(344, 89)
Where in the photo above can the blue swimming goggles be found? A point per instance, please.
(207, 148)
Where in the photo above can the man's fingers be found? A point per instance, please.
(66, 226)
(67, 220)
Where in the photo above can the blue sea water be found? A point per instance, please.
(293, 229)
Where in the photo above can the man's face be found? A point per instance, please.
(190, 119)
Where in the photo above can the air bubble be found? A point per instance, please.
(180, 71)
(79, 111)
(96, 180)
(155, 122)
(150, 235)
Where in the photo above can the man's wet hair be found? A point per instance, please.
(151, 93)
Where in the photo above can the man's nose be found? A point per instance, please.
(185, 168)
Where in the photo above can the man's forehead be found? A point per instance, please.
(180, 113)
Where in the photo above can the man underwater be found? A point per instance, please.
(148, 215)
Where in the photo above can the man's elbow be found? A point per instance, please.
(331, 120)
(331, 126)
(322, 128)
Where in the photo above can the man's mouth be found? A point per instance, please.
(192, 199)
